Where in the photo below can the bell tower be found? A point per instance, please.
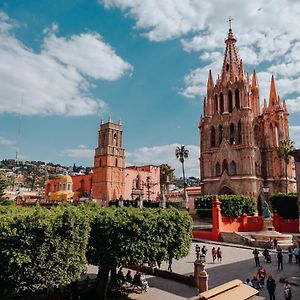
(109, 163)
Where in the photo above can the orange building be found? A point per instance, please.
(110, 179)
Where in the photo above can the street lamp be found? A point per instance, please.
(266, 191)
(197, 249)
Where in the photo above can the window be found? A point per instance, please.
(239, 132)
(216, 104)
(276, 136)
(116, 162)
(220, 134)
(100, 162)
(213, 136)
(231, 139)
(233, 168)
(224, 166)
(115, 139)
(221, 103)
(237, 98)
(230, 104)
(218, 169)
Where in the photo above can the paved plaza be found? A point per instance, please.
(237, 263)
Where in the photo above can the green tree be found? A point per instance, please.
(41, 248)
(181, 154)
(3, 184)
(284, 150)
(125, 236)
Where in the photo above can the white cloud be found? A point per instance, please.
(5, 141)
(166, 154)
(53, 81)
(81, 151)
(267, 33)
(293, 105)
(295, 135)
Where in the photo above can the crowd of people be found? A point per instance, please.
(137, 280)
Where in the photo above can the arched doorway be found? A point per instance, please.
(225, 190)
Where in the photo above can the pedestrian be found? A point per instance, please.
(255, 283)
(290, 254)
(204, 250)
(248, 282)
(271, 286)
(296, 253)
(279, 258)
(219, 255)
(256, 257)
(214, 254)
(275, 242)
(287, 291)
(261, 273)
(170, 264)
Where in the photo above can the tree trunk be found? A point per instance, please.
(286, 177)
(184, 185)
(102, 283)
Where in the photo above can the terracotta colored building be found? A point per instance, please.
(238, 140)
(110, 178)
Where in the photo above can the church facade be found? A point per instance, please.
(237, 140)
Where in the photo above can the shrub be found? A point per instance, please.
(177, 205)
(231, 205)
(285, 204)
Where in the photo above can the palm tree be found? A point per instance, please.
(181, 154)
(284, 150)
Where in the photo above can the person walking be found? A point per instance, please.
(290, 254)
(275, 242)
(256, 257)
(296, 253)
(204, 250)
(170, 264)
(214, 254)
(219, 255)
(271, 286)
(261, 273)
(279, 258)
(287, 291)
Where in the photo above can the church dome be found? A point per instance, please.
(66, 179)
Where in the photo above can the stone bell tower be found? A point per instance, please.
(109, 163)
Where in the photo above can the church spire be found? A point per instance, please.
(273, 98)
(210, 82)
(254, 84)
(231, 65)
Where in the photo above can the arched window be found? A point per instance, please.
(218, 169)
(224, 166)
(220, 134)
(276, 136)
(100, 162)
(216, 104)
(233, 168)
(116, 162)
(237, 98)
(230, 104)
(103, 141)
(221, 103)
(232, 141)
(213, 136)
(115, 139)
(239, 132)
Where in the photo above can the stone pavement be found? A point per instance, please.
(238, 263)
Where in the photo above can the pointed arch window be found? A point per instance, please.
(239, 132)
(218, 169)
(220, 134)
(221, 103)
(237, 98)
(216, 104)
(231, 134)
(233, 168)
(213, 136)
(224, 166)
(276, 136)
(230, 103)
(116, 162)
(100, 162)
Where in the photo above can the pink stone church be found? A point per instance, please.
(238, 138)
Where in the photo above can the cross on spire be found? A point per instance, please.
(229, 21)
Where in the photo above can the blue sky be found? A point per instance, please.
(64, 65)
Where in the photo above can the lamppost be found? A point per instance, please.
(266, 191)
(200, 275)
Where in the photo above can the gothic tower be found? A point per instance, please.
(237, 142)
(109, 163)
